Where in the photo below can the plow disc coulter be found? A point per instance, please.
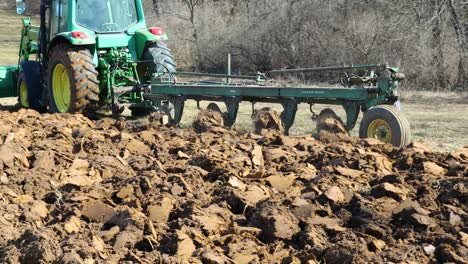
(374, 95)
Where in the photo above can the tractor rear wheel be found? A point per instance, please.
(158, 60)
(386, 123)
(73, 80)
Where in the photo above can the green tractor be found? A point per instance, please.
(86, 55)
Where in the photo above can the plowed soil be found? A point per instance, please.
(74, 190)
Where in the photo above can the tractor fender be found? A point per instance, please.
(88, 39)
(142, 37)
(33, 79)
(66, 37)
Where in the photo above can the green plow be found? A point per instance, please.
(357, 94)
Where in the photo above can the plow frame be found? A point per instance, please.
(353, 99)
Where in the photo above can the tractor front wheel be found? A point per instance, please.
(386, 123)
(72, 80)
(22, 91)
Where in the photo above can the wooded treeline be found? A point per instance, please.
(427, 39)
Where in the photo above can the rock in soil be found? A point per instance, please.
(73, 190)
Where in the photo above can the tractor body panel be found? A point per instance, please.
(113, 40)
(8, 75)
(89, 39)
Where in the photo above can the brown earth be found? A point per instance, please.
(74, 190)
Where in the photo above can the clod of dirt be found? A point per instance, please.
(420, 147)
(330, 224)
(349, 172)
(276, 222)
(446, 253)
(338, 254)
(461, 153)
(37, 247)
(185, 245)
(72, 258)
(409, 212)
(330, 122)
(335, 195)
(390, 190)
(280, 182)
(98, 212)
(267, 120)
(432, 168)
(75, 191)
(464, 238)
(126, 239)
(160, 211)
(211, 257)
(207, 120)
(72, 225)
(377, 245)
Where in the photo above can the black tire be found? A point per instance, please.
(156, 59)
(213, 107)
(380, 120)
(140, 110)
(82, 77)
(30, 94)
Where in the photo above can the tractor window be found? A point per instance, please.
(55, 17)
(59, 16)
(106, 15)
(63, 13)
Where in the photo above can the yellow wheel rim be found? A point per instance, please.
(61, 88)
(380, 129)
(23, 93)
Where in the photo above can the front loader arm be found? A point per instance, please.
(29, 40)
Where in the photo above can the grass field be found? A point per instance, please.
(440, 120)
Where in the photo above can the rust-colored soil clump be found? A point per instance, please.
(74, 190)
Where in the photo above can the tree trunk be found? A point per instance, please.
(462, 76)
(439, 74)
(157, 7)
(192, 5)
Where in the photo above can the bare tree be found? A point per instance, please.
(427, 39)
(439, 76)
(462, 78)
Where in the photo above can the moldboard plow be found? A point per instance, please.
(374, 94)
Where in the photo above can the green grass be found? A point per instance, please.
(10, 35)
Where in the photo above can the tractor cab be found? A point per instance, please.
(100, 24)
(106, 16)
